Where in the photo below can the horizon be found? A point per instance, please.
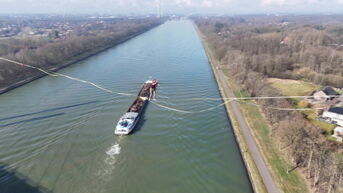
(177, 7)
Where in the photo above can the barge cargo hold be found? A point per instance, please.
(129, 120)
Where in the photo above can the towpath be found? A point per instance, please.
(252, 146)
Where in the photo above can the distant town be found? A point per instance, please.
(58, 27)
(49, 41)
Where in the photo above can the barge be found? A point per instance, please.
(129, 120)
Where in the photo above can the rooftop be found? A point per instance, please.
(338, 110)
(329, 91)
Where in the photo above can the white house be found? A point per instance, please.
(338, 133)
(334, 115)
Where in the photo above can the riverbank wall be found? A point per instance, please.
(252, 170)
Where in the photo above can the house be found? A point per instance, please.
(334, 115)
(338, 133)
(325, 94)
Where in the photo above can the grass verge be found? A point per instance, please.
(292, 182)
(289, 182)
(254, 175)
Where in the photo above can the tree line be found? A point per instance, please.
(50, 52)
(256, 48)
(294, 50)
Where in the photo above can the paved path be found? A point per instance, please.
(252, 146)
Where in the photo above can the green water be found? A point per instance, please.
(56, 134)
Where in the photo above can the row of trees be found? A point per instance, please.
(281, 49)
(254, 50)
(48, 53)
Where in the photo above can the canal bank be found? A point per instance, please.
(259, 175)
(62, 131)
(70, 62)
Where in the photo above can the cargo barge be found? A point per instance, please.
(129, 120)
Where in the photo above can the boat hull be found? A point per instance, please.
(138, 106)
(119, 132)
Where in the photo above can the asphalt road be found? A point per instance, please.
(252, 146)
(250, 141)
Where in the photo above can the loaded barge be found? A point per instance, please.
(129, 120)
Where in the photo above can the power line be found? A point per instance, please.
(226, 100)
(66, 76)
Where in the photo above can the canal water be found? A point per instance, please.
(56, 134)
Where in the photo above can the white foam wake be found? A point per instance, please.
(105, 172)
(110, 160)
(112, 152)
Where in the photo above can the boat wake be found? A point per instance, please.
(110, 161)
(112, 152)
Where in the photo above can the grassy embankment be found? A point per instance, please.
(289, 182)
(302, 88)
(252, 170)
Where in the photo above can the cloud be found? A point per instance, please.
(288, 2)
(202, 3)
(206, 3)
(300, 2)
(170, 6)
(184, 2)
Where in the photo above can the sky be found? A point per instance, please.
(140, 7)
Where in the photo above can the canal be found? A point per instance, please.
(56, 134)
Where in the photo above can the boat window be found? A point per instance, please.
(124, 123)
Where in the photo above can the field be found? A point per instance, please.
(293, 87)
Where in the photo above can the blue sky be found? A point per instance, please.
(171, 6)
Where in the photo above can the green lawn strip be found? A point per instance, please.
(289, 182)
(295, 88)
(312, 117)
(257, 179)
(254, 174)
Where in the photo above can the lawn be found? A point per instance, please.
(289, 182)
(313, 118)
(293, 87)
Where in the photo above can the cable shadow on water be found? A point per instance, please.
(33, 119)
(14, 182)
(48, 110)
